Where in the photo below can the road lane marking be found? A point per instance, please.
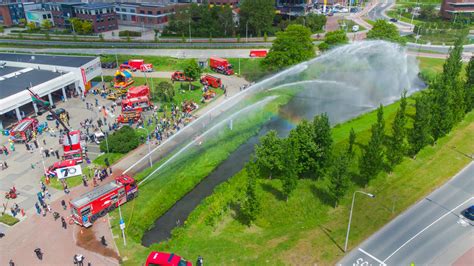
(373, 257)
(424, 229)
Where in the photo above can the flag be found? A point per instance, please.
(37, 100)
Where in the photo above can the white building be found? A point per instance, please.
(49, 76)
(38, 16)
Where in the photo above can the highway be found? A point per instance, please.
(431, 227)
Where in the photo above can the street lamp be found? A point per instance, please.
(350, 216)
(148, 140)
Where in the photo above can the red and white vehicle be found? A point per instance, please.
(23, 130)
(221, 65)
(127, 67)
(136, 104)
(73, 151)
(179, 76)
(58, 165)
(166, 259)
(211, 81)
(88, 207)
(140, 91)
(140, 64)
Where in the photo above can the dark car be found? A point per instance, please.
(58, 112)
(42, 110)
(469, 213)
(393, 20)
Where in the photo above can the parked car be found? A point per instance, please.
(58, 112)
(42, 110)
(393, 20)
(469, 213)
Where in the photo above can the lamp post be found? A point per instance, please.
(149, 150)
(350, 216)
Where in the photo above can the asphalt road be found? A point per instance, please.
(426, 230)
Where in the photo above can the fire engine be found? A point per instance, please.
(74, 150)
(211, 81)
(137, 103)
(140, 91)
(88, 207)
(23, 130)
(179, 76)
(221, 65)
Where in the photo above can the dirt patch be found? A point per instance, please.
(87, 239)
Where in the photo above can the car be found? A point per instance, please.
(165, 259)
(58, 112)
(469, 213)
(393, 20)
(42, 110)
(355, 28)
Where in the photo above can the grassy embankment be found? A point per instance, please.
(295, 231)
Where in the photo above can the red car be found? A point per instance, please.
(165, 259)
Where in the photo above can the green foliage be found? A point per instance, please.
(469, 86)
(101, 37)
(292, 46)
(289, 176)
(202, 20)
(396, 143)
(122, 141)
(323, 46)
(192, 69)
(131, 33)
(8, 219)
(420, 134)
(22, 21)
(323, 139)
(269, 154)
(46, 24)
(31, 26)
(428, 12)
(339, 179)
(47, 36)
(166, 91)
(302, 140)
(258, 15)
(250, 207)
(336, 37)
(372, 160)
(315, 22)
(383, 30)
(2, 29)
(81, 26)
(352, 139)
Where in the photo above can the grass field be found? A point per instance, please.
(8, 219)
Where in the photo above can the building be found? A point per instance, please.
(451, 8)
(38, 16)
(145, 14)
(50, 76)
(11, 13)
(293, 7)
(62, 12)
(102, 16)
(233, 3)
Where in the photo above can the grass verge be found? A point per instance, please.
(8, 219)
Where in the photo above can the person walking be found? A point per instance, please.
(199, 261)
(56, 152)
(5, 164)
(11, 263)
(39, 253)
(102, 241)
(84, 180)
(63, 203)
(36, 143)
(63, 222)
(38, 209)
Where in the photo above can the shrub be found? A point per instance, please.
(323, 46)
(121, 141)
(129, 33)
(2, 29)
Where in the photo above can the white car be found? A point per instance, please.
(355, 28)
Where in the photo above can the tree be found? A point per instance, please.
(76, 25)
(292, 46)
(315, 22)
(352, 139)
(450, 80)
(269, 154)
(383, 30)
(442, 119)
(428, 12)
(289, 175)
(251, 205)
(302, 139)
(122, 141)
(336, 37)
(323, 139)
(192, 69)
(165, 91)
(396, 148)
(256, 16)
(226, 20)
(22, 22)
(46, 24)
(469, 86)
(373, 157)
(31, 26)
(420, 134)
(339, 180)
(86, 27)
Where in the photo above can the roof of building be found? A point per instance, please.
(7, 70)
(12, 85)
(52, 60)
(95, 6)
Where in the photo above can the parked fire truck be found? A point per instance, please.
(141, 65)
(258, 53)
(23, 130)
(74, 150)
(139, 91)
(179, 76)
(221, 65)
(88, 207)
(126, 116)
(211, 81)
(137, 103)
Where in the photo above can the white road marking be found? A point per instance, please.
(373, 257)
(424, 229)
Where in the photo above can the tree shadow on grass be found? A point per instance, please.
(328, 232)
(322, 195)
(272, 190)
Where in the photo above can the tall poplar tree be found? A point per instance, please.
(323, 140)
(251, 205)
(396, 148)
(372, 159)
(469, 86)
(339, 178)
(420, 134)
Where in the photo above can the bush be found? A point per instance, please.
(121, 141)
(323, 46)
(106, 79)
(129, 33)
(2, 29)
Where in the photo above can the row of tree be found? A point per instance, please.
(308, 150)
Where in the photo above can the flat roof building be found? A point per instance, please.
(452, 8)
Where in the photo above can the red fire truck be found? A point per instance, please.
(258, 53)
(88, 207)
(211, 81)
(179, 76)
(139, 91)
(137, 103)
(166, 259)
(23, 130)
(75, 150)
(221, 65)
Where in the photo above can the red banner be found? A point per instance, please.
(84, 79)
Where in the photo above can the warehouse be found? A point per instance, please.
(52, 77)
